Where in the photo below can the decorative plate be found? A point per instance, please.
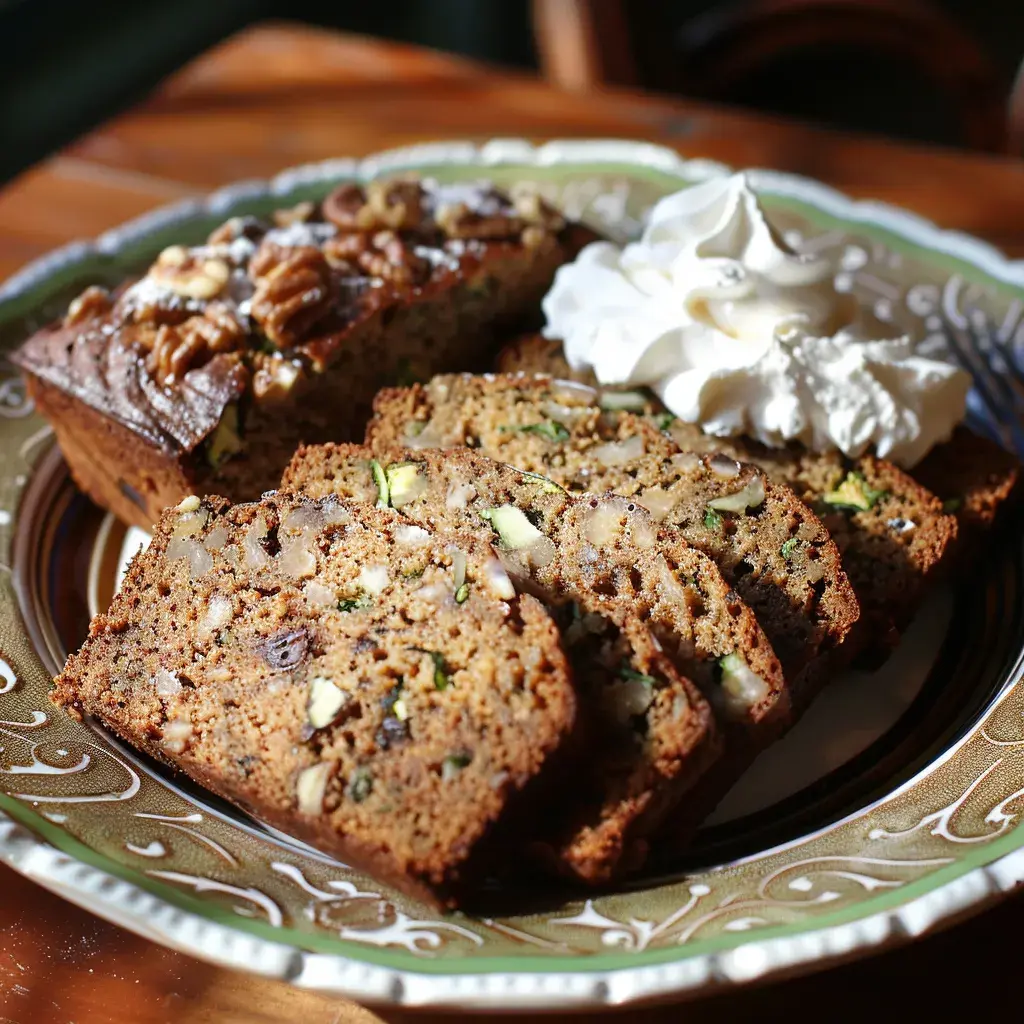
(896, 803)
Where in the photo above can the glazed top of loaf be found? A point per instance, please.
(265, 302)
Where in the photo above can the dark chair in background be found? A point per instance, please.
(731, 47)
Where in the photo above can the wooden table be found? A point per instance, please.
(280, 95)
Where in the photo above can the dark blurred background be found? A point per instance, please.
(937, 71)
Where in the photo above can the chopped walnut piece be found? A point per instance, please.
(190, 275)
(396, 204)
(297, 214)
(234, 228)
(344, 206)
(458, 220)
(92, 303)
(294, 289)
(343, 251)
(392, 259)
(385, 254)
(534, 210)
(183, 347)
(151, 309)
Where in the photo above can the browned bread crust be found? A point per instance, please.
(308, 661)
(974, 478)
(533, 353)
(207, 373)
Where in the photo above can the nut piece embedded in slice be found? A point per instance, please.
(742, 688)
(311, 786)
(325, 701)
(750, 496)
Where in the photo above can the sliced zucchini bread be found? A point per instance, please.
(589, 558)
(313, 662)
(770, 547)
(896, 530)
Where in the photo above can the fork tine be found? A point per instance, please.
(1000, 414)
(998, 365)
(1007, 374)
(1006, 369)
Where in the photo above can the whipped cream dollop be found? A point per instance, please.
(736, 332)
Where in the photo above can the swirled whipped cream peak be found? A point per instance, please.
(738, 333)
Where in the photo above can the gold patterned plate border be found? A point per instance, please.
(865, 858)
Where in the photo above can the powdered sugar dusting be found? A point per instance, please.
(461, 246)
(477, 196)
(437, 257)
(148, 293)
(240, 290)
(241, 250)
(301, 234)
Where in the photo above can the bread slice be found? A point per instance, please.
(592, 560)
(895, 535)
(310, 662)
(769, 546)
(975, 479)
(533, 353)
(646, 739)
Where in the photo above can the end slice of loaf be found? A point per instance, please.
(600, 564)
(310, 662)
(974, 478)
(533, 353)
(770, 547)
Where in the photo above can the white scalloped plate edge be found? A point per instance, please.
(127, 905)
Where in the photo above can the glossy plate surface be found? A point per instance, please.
(895, 804)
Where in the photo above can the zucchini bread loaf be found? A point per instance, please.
(207, 372)
(351, 679)
(769, 546)
(591, 559)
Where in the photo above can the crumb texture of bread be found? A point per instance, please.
(223, 357)
(621, 598)
(770, 547)
(351, 679)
